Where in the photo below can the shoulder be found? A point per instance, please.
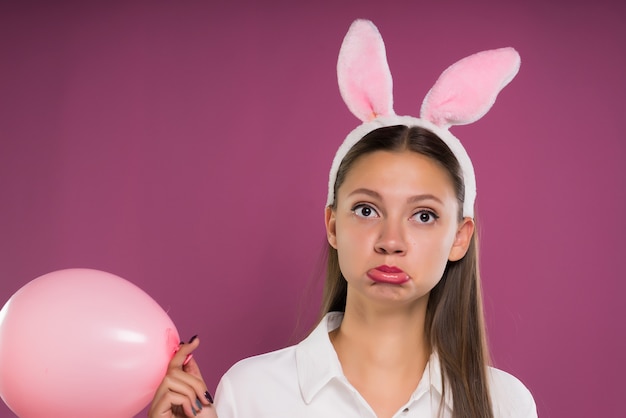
(246, 387)
(255, 376)
(509, 396)
(263, 365)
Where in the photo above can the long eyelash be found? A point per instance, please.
(433, 214)
(360, 205)
(430, 212)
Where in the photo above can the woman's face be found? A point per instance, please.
(395, 226)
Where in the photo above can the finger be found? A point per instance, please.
(166, 405)
(182, 353)
(191, 366)
(183, 359)
(193, 369)
(192, 386)
(181, 383)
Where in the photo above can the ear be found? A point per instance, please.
(468, 89)
(363, 73)
(329, 221)
(462, 239)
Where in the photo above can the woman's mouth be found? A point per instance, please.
(387, 274)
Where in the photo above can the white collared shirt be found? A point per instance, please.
(307, 381)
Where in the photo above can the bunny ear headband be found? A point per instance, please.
(461, 95)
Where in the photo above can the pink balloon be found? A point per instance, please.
(82, 343)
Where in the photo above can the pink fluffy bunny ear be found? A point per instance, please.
(363, 73)
(468, 88)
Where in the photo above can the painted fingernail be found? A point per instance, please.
(194, 412)
(199, 404)
(193, 339)
(208, 396)
(187, 359)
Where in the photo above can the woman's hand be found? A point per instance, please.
(182, 393)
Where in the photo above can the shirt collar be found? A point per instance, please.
(432, 378)
(316, 359)
(318, 364)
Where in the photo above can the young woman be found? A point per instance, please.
(402, 332)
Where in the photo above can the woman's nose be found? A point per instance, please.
(391, 239)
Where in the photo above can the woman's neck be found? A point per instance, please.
(383, 354)
(383, 337)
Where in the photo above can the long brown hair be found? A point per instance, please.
(454, 317)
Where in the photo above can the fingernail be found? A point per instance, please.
(193, 339)
(199, 404)
(208, 396)
(187, 359)
(194, 412)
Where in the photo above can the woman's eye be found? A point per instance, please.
(425, 216)
(364, 211)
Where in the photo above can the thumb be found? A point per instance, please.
(184, 353)
(189, 364)
(192, 368)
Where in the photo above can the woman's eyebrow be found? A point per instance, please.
(411, 200)
(421, 197)
(365, 191)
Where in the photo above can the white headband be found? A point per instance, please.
(461, 95)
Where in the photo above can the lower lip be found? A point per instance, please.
(380, 276)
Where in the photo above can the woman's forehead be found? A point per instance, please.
(406, 171)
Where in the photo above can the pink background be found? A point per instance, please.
(184, 146)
